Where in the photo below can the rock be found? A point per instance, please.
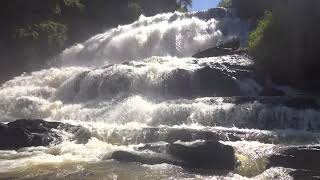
(207, 81)
(300, 157)
(305, 174)
(26, 133)
(144, 158)
(214, 81)
(14, 138)
(205, 155)
(272, 92)
(34, 126)
(228, 48)
(178, 83)
(154, 147)
(298, 102)
(201, 155)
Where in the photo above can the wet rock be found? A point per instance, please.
(200, 155)
(205, 155)
(305, 174)
(34, 126)
(144, 158)
(298, 102)
(154, 147)
(188, 135)
(15, 138)
(228, 48)
(178, 83)
(214, 81)
(300, 157)
(26, 133)
(272, 92)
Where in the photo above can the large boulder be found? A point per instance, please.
(26, 133)
(204, 155)
(297, 157)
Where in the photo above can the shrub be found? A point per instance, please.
(53, 33)
(256, 37)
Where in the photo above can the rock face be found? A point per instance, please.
(215, 81)
(26, 133)
(304, 157)
(206, 155)
(271, 92)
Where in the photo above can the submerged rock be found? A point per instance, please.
(205, 155)
(300, 157)
(26, 133)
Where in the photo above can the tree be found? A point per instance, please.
(225, 3)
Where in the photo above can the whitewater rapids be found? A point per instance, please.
(128, 87)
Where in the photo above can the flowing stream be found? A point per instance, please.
(138, 84)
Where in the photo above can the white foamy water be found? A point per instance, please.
(158, 91)
(171, 34)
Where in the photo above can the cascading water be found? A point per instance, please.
(137, 84)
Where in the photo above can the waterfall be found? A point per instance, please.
(169, 34)
(137, 84)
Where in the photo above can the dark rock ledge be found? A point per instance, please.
(304, 160)
(228, 48)
(199, 155)
(27, 133)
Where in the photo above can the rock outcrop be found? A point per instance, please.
(206, 155)
(200, 155)
(26, 133)
(297, 157)
(228, 48)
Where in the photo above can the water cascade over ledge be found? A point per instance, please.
(136, 89)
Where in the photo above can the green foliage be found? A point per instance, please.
(52, 32)
(134, 11)
(73, 3)
(225, 3)
(285, 43)
(256, 36)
